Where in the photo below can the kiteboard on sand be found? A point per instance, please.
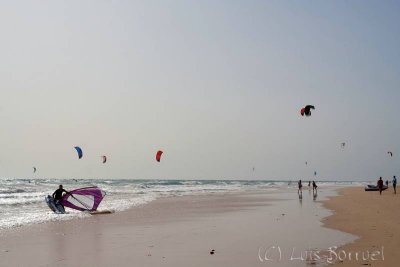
(83, 199)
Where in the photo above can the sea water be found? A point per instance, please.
(22, 201)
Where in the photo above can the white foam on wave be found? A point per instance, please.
(12, 219)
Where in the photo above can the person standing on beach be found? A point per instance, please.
(300, 192)
(380, 185)
(394, 182)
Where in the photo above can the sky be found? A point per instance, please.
(216, 85)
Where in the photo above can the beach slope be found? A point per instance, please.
(372, 217)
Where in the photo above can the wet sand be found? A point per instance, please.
(375, 219)
(244, 229)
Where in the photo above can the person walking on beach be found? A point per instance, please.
(394, 182)
(300, 192)
(314, 187)
(380, 185)
(57, 195)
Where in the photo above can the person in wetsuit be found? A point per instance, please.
(57, 195)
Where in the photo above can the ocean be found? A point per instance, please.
(22, 201)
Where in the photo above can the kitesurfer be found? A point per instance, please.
(57, 195)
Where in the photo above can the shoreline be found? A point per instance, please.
(21, 201)
(181, 231)
(373, 218)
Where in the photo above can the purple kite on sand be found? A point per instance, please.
(83, 199)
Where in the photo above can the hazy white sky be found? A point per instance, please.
(216, 85)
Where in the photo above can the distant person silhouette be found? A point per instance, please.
(299, 191)
(394, 182)
(314, 187)
(380, 185)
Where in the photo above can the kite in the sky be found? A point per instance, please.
(390, 153)
(343, 145)
(34, 169)
(158, 155)
(104, 159)
(79, 150)
(306, 110)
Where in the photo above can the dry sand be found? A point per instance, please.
(374, 218)
(180, 231)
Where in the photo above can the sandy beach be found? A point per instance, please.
(195, 133)
(243, 229)
(374, 218)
